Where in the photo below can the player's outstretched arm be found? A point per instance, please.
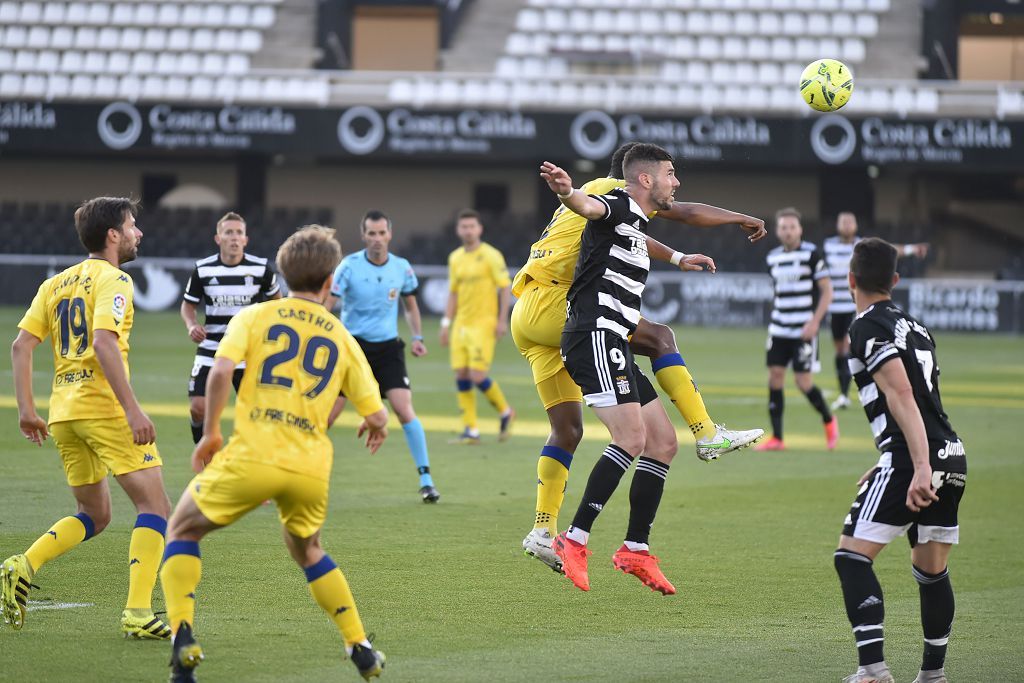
(707, 216)
(105, 347)
(662, 252)
(893, 382)
(375, 426)
(188, 313)
(32, 426)
(218, 386)
(576, 201)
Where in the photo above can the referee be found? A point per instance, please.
(369, 284)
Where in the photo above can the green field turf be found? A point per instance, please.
(747, 540)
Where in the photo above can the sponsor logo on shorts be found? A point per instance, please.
(940, 479)
(953, 449)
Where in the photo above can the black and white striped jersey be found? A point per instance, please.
(225, 290)
(837, 258)
(795, 274)
(882, 333)
(611, 270)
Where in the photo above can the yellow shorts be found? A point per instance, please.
(537, 322)
(472, 347)
(93, 447)
(230, 487)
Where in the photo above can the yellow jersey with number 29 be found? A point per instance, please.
(553, 257)
(299, 358)
(69, 307)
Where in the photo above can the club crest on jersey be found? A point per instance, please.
(249, 281)
(622, 384)
(392, 294)
(120, 305)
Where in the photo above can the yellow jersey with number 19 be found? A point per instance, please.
(553, 257)
(299, 358)
(69, 307)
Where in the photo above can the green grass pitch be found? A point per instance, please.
(748, 541)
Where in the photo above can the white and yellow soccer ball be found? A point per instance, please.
(826, 84)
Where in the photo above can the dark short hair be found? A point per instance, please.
(788, 211)
(644, 153)
(373, 215)
(873, 265)
(620, 154)
(308, 257)
(95, 216)
(230, 216)
(469, 213)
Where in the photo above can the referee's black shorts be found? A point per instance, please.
(387, 361)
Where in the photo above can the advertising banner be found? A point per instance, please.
(693, 299)
(501, 136)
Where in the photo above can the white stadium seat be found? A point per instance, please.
(129, 87)
(143, 63)
(81, 85)
(57, 86)
(8, 12)
(31, 13)
(119, 62)
(71, 61)
(201, 88)
(123, 14)
(866, 25)
(94, 62)
(99, 15)
(53, 13)
(38, 37)
(25, 60)
(105, 86)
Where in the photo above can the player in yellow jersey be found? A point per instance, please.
(537, 320)
(95, 419)
(300, 358)
(474, 319)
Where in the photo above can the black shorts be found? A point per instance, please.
(387, 360)
(802, 355)
(602, 365)
(880, 512)
(841, 324)
(197, 382)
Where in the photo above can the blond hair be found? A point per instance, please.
(229, 216)
(308, 257)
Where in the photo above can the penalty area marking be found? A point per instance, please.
(34, 606)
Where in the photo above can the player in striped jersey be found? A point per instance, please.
(603, 311)
(838, 250)
(802, 295)
(224, 283)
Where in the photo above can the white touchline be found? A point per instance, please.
(41, 605)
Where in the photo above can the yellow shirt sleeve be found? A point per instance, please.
(499, 271)
(35, 320)
(453, 283)
(114, 292)
(235, 344)
(358, 383)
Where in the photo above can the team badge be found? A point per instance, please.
(622, 384)
(248, 281)
(392, 294)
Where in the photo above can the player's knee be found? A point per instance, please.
(100, 517)
(567, 436)
(662, 447)
(632, 443)
(196, 411)
(664, 340)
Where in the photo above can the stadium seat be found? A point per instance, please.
(143, 63)
(57, 86)
(31, 13)
(152, 88)
(155, 39)
(866, 25)
(212, 63)
(10, 85)
(71, 61)
(8, 12)
(105, 86)
(793, 24)
(200, 88)
(93, 63)
(98, 15)
(236, 64)
(6, 60)
(25, 60)
(166, 63)
(203, 40)
(53, 13)
(238, 15)
(926, 101)
(38, 38)
(262, 16)
(179, 39)
(123, 14)
(129, 87)
(81, 85)
(709, 48)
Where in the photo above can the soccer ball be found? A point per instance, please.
(826, 84)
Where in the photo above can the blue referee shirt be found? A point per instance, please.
(369, 294)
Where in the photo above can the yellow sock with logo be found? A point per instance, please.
(144, 553)
(179, 577)
(493, 392)
(331, 591)
(467, 403)
(675, 380)
(64, 535)
(552, 477)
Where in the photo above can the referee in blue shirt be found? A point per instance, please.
(369, 284)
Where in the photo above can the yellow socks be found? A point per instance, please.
(179, 577)
(552, 477)
(330, 590)
(144, 553)
(493, 393)
(467, 403)
(675, 380)
(64, 535)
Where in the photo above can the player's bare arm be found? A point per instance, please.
(893, 382)
(504, 304)
(412, 318)
(810, 329)
(576, 201)
(109, 355)
(196, 332)
(707, 216)
(218, 386)
(375, 426)
(450, 309)
(666, 254)
(32, 426)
